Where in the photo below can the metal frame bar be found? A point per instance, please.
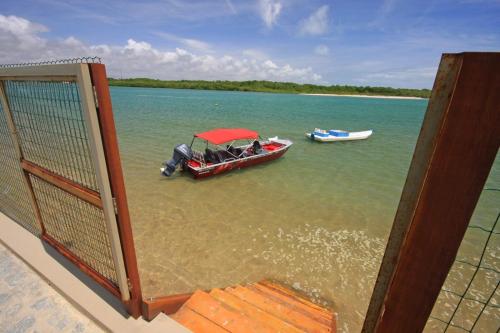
(446, 177)
(99, 160)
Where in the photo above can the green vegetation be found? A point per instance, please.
(268, 86)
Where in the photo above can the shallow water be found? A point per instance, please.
(317, 219)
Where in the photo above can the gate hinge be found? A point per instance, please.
(115, 206)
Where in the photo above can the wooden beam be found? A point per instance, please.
(167, 304)
(113, 161)
(456, 148)
(88, 195)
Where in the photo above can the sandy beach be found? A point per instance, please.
(366, 96)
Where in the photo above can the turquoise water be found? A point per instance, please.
(317, 219)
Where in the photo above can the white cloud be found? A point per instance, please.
(190, 43)
(270, 11)
(231, 6)
(410, 76)
(385, 10)
(141, 59)
(20, 30)
(322, 50)
(269, 64)
(255, 54)
(317, 23)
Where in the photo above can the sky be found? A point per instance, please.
(378, 43)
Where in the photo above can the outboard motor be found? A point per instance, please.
(182, 153)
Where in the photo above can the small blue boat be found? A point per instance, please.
(337, 135)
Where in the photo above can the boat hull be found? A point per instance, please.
(220, 168)
(352, 136)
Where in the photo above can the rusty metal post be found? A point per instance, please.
(456, 148)
(110, 142)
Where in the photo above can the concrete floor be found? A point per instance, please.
(21, 288)
(29, 304)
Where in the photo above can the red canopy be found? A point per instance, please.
(222, 135)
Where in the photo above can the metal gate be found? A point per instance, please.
(64, 173)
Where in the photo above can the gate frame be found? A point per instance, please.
(101, 134)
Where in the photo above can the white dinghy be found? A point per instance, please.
(337, 135)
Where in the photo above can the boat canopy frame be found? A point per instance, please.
(235, 134)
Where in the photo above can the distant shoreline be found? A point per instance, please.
(275, 87)
(366, 96)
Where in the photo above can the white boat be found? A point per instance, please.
(337, 135)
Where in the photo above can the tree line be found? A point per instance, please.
(270, 86)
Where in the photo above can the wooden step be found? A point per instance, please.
(280, 310)
(292, 294)
(263, 307)
(272, 323)
(293, 302)
(223, 316)
(196, 322)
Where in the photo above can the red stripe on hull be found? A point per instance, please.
(237, 164)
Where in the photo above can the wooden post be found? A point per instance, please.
(110, 142)
(456, 148)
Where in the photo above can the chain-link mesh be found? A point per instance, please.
(470, 298)
(52, 132)
(49, 118)
(77, 225)
(14, 198)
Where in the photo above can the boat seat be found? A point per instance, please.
(235, 151)
(257, 148)
(211, 156)
(224, 156)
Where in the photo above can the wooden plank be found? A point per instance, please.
(456, 148)
(64, 184)
(292, 304)
(279, 310)
(195, 322)
(292, 294)
(113, 162)
(169, 304)
(256, 315)
(231, 320)
(441, 95)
